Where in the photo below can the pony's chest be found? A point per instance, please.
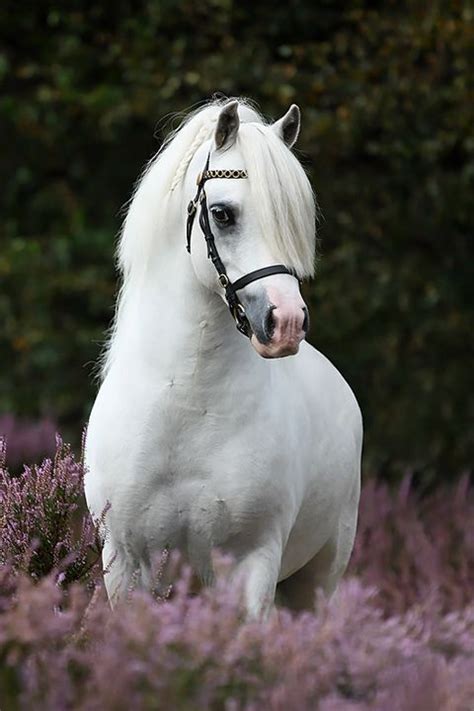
(194, 514)
(178, 473)
(202, 489)
(182, 515)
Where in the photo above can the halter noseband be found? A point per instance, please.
(230, 288)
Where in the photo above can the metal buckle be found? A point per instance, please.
(241, 311)
(191, 207)
(241, 320)
(223, 280)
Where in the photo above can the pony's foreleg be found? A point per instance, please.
(323, 572)
(120, 575)
(298, 592)
(258, 575)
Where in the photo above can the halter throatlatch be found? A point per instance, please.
(230, 288)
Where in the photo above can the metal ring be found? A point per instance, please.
(224, 280)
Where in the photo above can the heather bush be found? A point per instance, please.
(416, 549)
(397, 636)
(41, 526)
(59, 651)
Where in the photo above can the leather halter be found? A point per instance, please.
(230, 288)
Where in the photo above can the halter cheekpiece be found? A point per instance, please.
(230, 288)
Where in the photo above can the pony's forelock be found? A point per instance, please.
(282, 195)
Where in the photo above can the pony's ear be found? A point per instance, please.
(288, 127)
(227, 125)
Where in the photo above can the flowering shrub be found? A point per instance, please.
(403, 643)
(62, 650)
(415, 549)
(39, 530)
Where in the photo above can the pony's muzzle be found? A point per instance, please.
(283, 329)
(278, 317)
(277, 331)
(273, 321)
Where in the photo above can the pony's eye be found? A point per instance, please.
(223, 216)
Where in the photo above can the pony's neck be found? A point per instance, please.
(177, 331)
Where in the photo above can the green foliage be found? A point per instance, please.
(387, 138)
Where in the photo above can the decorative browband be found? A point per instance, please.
(208, 174)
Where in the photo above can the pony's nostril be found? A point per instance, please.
(306, 320)
(269, 322)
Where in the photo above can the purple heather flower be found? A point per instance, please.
(398, 634)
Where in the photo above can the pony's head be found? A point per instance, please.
(264, 220)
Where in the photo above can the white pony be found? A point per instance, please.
(195, 440)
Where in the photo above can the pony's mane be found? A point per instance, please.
(279, 185)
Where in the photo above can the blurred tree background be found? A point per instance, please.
(387, 100)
